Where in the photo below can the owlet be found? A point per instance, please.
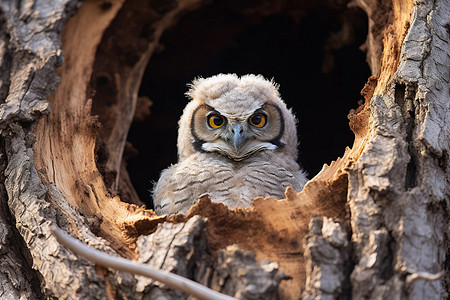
(236, 141)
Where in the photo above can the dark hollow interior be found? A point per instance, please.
(312, 52)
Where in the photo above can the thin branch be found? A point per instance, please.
(172, 280)
(410, 279)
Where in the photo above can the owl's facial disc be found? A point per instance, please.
(237, 137)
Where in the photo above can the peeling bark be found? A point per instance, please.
(19, 281)
(187, 255)
(378, 215)
(327, 261)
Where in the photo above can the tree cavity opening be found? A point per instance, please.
(311, 49)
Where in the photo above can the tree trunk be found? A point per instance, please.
(373, 224)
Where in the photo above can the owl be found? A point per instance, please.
(236, 141)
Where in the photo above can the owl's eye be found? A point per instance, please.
(258, 120)
(216, 121)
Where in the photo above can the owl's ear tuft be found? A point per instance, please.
(274, 84)
(193, 91)
(205, 89)
(259, 87)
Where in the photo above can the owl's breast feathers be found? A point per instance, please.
(233, 184)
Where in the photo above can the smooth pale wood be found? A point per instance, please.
(66, 137)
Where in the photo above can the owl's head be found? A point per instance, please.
(236, 117)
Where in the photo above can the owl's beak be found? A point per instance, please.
(238, 138)
(236, 144)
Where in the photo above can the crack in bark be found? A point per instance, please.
(50, 141)
(170, 245)
(443, 161)
(5, 61)
(410, 116)
(447, 262)
(388, 272)
(405, 98)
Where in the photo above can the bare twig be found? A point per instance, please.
(172, 280)
(410, 279)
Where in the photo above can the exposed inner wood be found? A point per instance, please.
(393, 36)
(67, 139)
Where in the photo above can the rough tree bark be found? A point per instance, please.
(364, 227)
